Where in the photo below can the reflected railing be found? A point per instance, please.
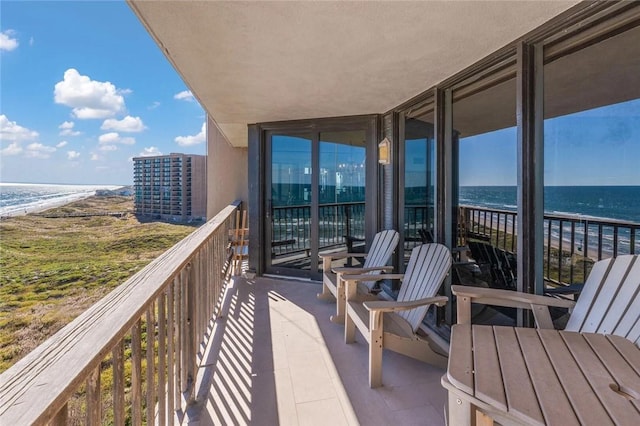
(572, 243)
(418, 225)
(338, 223)
(131, 358)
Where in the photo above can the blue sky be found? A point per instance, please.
(596, 147)
(83, 90)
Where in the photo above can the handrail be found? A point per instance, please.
(177, 294)
(565, 238)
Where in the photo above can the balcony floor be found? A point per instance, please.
(275, 358)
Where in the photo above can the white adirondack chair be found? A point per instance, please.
(383, 245)
(394, 324)
(608, 304)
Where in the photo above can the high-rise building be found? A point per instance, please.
(171, 187)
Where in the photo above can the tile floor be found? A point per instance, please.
(276, 359)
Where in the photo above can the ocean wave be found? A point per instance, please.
(30, 198)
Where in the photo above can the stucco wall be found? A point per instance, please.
(198, 186)
(226, 171)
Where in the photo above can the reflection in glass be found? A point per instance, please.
(487, 196)
(290, 171)
(290, 201)
(342, 189)
(419, 180)
(592, 152)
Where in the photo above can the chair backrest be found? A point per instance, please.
(427, 268)
(384, 243)
(610, 300)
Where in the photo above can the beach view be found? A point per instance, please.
(192, 194)
(47, 276)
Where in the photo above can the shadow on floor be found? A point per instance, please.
(275, 358)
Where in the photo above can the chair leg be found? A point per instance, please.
(326, 293)
(375, 358)
(349, 330)
(341, 298)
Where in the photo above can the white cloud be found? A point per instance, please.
(7, 42)
(14, 148)
(195, 139)
(127, 124)
(111, 137)
(66, 129)
(95, 157)
(89, 98)
(61, 144)
(108, 148)
(185, 95)
(154, 105)
(152, 150)
(114, 137)
(38, 150)
(11, 131)
(72, 155)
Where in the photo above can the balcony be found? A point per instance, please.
(225, 351)
(229, 350)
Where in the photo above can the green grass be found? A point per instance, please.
(51, 270)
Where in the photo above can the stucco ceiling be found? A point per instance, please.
(251, 62)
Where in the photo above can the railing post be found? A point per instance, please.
(150, 347)
(347, 212)
(190, 337)
(136, 374)
(172, 356)
(118, 384)
(94, 410)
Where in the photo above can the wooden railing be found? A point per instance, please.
(133, 356)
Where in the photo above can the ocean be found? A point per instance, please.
(606, 202)
(21, 198)
(593, 203)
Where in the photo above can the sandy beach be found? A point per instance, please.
(40, 206)
(18, 199)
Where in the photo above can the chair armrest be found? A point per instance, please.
(341, 255)
(508, 298)
(369, 277)
(539, 305)
(391, 306)
(355, 270)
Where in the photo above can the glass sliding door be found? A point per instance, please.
(485, 213)
(315, 198)
(591, 158)
(419, 181)
(342, 190)
(290, 204)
